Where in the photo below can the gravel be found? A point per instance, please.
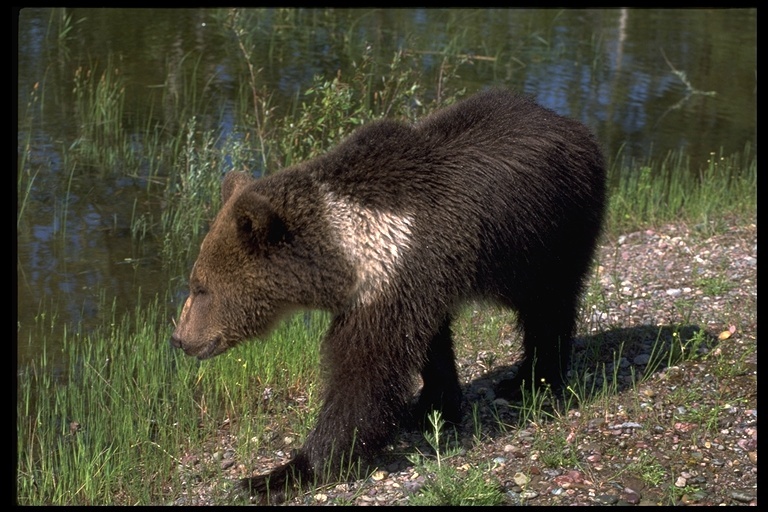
(685, 434)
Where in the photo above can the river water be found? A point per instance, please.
(648, 81)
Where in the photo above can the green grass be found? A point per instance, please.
(113, 426)
(446, 485)
(102, 142)
(106, 424)
(666, 190)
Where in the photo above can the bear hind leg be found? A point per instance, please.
(441, 390)
(547, 341)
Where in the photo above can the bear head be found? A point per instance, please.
(258, 262)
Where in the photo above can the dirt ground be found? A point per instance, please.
(685, 434)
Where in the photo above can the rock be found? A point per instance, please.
(742, 496)
(607, 499)
(641, 359)
(521, 479)
(379, 475)
(631, 497)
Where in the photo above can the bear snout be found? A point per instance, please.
(175, 342)
(202, 350)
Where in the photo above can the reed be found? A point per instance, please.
(114, 426)
(25, 177)
(99, 114)
(667, 189)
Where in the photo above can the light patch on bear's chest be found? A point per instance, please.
(374, 241)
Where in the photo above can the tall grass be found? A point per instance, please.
(84, 437)
(115, 426)
(25, 177)
(99, 116)
(666, 190)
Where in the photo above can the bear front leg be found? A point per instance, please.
(368, 381)
(349, 428)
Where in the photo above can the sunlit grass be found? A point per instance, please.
(446, 485)
(113, 426)
(668, 190)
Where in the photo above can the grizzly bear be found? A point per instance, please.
(493, 198)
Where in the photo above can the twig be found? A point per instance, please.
(467, 56)
(684, 78)
(689, 89)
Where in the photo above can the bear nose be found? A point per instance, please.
(175, 342)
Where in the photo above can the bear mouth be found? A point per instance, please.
(204, 351)
(212, 349)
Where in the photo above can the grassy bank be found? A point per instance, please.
(115, 425)
(113, 429)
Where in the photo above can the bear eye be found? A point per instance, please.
(198, 289)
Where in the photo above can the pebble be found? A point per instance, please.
(521, 479)
(693, 497)
(379, 475)
(607, 499)
(742, 496)
(632, 498)
(626, 424)
(596, 423)
(641, 359)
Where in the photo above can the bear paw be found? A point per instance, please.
(279, 484)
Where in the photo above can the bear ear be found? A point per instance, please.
(259, 226)
(233, 181)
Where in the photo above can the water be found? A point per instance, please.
(647, 81)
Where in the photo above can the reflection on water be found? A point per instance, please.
(647, 81)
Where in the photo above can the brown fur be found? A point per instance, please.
(493, 198)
